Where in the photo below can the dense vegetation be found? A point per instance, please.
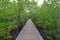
(45, 17)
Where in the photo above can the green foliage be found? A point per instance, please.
(47, 17)
(8, 14)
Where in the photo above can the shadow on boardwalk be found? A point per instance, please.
(29, 32)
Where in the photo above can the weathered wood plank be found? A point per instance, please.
(29, 32)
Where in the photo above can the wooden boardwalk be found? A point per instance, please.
(29, 32)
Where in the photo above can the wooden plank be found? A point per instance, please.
(29, 32)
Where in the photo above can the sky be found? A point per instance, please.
(39, 2)
(13, 0)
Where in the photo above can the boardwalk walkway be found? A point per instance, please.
(29, 32)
